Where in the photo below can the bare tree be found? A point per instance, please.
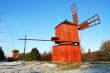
(105, 50)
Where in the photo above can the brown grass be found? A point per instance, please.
(68, 65)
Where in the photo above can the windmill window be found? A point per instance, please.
(75, 43)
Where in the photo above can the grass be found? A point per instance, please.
(68, 65)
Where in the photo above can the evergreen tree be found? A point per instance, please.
(34, 54)
(2, 56)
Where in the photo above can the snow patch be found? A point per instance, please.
(49, 65)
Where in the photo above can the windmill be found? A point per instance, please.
(67, 38)
(68, 49)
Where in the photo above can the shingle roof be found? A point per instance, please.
(65, 22)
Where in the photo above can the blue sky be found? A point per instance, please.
(37, 19)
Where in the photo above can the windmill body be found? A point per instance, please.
(68, 49)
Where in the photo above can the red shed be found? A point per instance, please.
(15, 54)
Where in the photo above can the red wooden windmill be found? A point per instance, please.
(67, 38)
(66, 35)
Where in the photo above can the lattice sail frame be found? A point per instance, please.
(94, 20)
(74, 13)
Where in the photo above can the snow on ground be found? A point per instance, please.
(44, 67)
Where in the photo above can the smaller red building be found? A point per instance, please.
(15, 54)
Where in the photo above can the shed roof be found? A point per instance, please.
(65, 22)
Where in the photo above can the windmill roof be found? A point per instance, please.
(65, 22)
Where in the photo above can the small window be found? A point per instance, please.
(75, 43)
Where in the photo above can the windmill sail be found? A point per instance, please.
(89, 23)
(35, 39)
(74, 14)
(54, 40)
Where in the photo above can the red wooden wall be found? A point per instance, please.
(66, 51)
(67, 32)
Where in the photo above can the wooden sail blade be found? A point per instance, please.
(53, 40)
(95, 20)
(74, 13)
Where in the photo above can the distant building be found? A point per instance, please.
(15, 54)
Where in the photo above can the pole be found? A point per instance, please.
(24, 48)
